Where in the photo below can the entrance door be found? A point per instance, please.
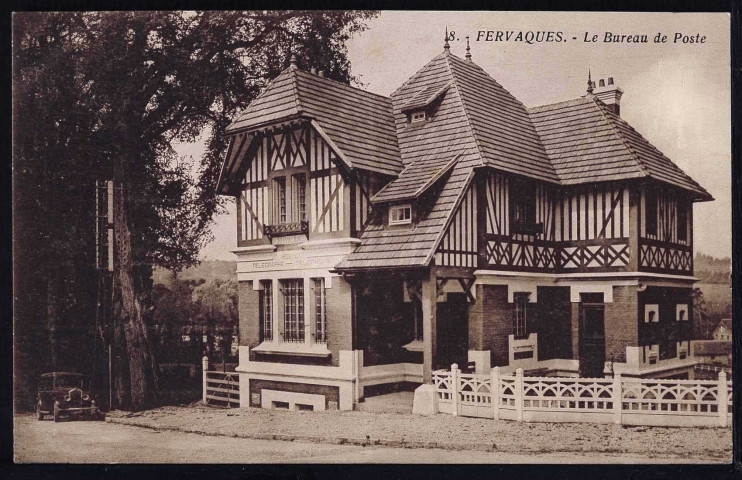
(592, 340)
(452, 336)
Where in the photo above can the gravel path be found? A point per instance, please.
(440, 431)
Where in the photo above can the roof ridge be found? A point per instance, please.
(615, 130)
(455, 82)
(530, 109)
(295, 88)
(342, 84)
(404, 84)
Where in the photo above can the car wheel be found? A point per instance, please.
(39, 413)
(56, 411)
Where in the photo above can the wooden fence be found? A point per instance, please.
(628, 401)
(220, 388)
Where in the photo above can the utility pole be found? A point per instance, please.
(104, 256)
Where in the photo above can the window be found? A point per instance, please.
(522, 207)
(400, 215)
(682, 221)
(266, 309)
(651, 210)
(520, 324)
(280, 185)
(300, 197)
(417, 117)
(320, 314)
(651, 313)
(681, 312)
(293, 313)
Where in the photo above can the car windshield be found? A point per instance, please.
(68, 381)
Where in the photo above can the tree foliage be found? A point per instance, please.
(101, 95)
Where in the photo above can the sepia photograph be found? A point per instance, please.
(363, 237)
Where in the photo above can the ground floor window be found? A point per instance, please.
(520, 322)
(320, 304)
(293, 315)
(266, 309)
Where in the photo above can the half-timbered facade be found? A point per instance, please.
(381, 238)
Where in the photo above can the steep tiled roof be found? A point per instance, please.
(360, 123)
(586, 142)
(500, 124)
(414, 246)
(416, 178)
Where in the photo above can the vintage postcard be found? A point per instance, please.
(372, 237)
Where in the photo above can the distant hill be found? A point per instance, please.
(710, 269)
(207, 270)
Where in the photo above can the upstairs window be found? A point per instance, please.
(523, 208)
(520, 322)
(682, 221)
(400, 215)
(300, 196)
(281, 214)
(651, 211)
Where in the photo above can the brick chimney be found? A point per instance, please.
(609, 94)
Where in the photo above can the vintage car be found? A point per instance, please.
(65, 393)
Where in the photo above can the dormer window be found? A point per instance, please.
(418, 116)
(400, 215)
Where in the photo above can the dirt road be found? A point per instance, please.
(101, 442)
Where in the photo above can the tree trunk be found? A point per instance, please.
(136, 356)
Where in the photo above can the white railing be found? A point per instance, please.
(706, 367)
(630, 401)
(220, 388)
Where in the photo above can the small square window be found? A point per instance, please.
(400, 215)
(417, 117)
(681, 313)
(651, 313)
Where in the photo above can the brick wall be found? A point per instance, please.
(339, 319)
(249, 311)
(332, 394)
(490, 322)
(620, 323)
(339, 328)
(667, 331)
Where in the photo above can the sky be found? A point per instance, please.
(677, 95)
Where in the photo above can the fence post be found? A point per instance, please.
(455, 388)
(722, 398)
(205, 368)
(495, 392)
(617, 398)
(519, 395)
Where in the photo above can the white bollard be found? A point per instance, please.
(455, 389)
(617, 398)
(205, 368)
(723, 398)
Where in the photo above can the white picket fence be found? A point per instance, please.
(220, 388)
(628, 401)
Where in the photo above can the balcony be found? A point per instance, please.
(287, 229)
